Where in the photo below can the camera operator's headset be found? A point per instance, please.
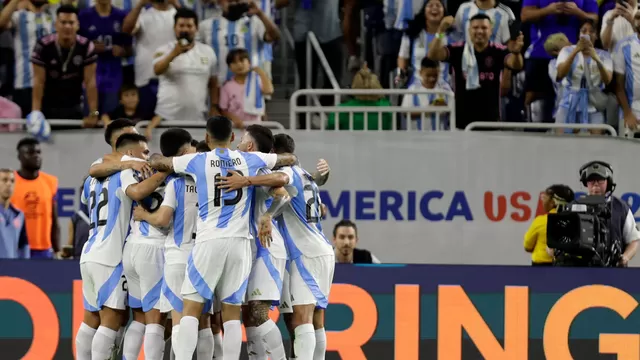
(601, 169)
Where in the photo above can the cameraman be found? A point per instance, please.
(597, 176)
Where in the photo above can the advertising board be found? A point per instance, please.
(447, 198)
(408, 312)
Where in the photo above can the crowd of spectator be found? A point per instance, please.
(157, 60)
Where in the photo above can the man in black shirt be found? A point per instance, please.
(61, 63)
(345, 238)
(477, 68)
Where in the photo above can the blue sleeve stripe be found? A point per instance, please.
(113, 205)
(178, 214)
(227, 210)
(196, 168)
(254, 163)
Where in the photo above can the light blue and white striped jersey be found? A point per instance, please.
(422, 100)
(204, 10)
(576, 79)
(417, 50)
(501, 16)
(28, 27)
(259, 205)
(299, 223)
(141, 231)
(110, 214)
(267, 50)
(626, 61)
(224, 35)
(181, 196)
(398, 13)
(222, 214)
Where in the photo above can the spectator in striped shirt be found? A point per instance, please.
(13, 234)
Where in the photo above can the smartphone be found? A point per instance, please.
(514, 29)
(585, 36)
(621, 2)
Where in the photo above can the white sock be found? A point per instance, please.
(119, 339)
(84, 337)
(321, 345)
(270, 337)
(154, 342)
(175, 330)
(133, 341)
(204, 349)
(103, 342)
(218, 352)
(305, 341)
(232, 342)
(188, 338)
(255, 348)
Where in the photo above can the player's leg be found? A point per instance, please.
(323, 274)
(201, 274)
(115, 355)
(205, 346)
(91, 319)
(111, 301)
(265, 289)
(286, 310)
(321, 337)
(149, 264)
(134, 335)
(172, 298)
(255, 350)
(231, 289)
(216, 329)
(288, 322)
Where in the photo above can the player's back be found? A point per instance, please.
(259, 205)
(110, 214)
(300, 222)
(222, 214)
(141, 231)
(181, 191)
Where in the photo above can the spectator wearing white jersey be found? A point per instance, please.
(242, 25)
(29, 21)
(618, 23)
(501, 18)
(186, 69)
(205, 9)
(152, 29)
(626, 65)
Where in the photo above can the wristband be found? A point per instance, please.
(440, 36)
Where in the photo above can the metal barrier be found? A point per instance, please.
(380, 110)
(287, 42)
(511, 125)
(312, 43)
(202, 124)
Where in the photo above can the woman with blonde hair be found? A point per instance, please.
(363, 80)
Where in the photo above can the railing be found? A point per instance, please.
(286, 43)
(510, 125)
(404, 112)
(313, 44)
(202, 124)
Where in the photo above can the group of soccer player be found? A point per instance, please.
(209, 235)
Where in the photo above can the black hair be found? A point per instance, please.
(126, 87)
(202, 147)
(262, 136)
(562, 192)
(345, 223)
(237, 54)
(128, 139)
(27, 141)
(194, 142)
(67, 9)
(427, 63)
(172, 140)
(417, 24)
(283, 143)
(116, 125)
(185, 13)
(220, 128)
(480, 16)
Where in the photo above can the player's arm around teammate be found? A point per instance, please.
(322, 172)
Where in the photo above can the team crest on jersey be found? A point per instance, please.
(158, 54)
(204, 60)
(244, 29)
(488, 62)
(116, 26)
(77, 60)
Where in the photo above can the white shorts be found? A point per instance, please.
(172, 287)
(285, 297)
(144, 269)
(594, 117)
(103, 286)
(265, 280)
(310, 280)
(220, 267)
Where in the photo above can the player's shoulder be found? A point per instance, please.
(505, 9)
(466, 6)
(49, 39)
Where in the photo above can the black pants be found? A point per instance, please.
(65, 113)
(541, 264)
(22, 97)
(6, 72)
(333, 52)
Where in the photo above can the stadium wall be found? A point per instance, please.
(444, 198)
(408, 312)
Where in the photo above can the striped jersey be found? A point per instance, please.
(28, 27)
(110, 215)
(224, 35)
(181, 196)
(222, 214)
(300, 221)
(501, 17)
(626, 61)
(141, 231)
(415, 50)
(203, 9)
(398, 13)
(267, 50)
(576, 78)
(259, 206)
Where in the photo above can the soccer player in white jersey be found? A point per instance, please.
(220, 261)
(29, 21)
(179, 213)
(311, 254)
(103, 286)
(235, 30)
(265, 281)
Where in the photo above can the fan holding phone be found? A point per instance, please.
(618, 23)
